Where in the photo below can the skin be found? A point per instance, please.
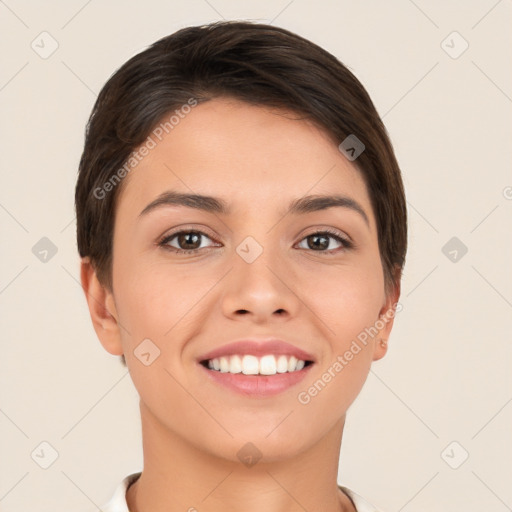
(258, 160)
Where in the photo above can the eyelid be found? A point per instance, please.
(209, 233)
(331, 231)
(187, 228)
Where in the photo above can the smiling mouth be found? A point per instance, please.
(251, 365)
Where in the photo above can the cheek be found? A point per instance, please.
(347, 308)
(153, 301)
(159, 300)
(347, 299)
(347, 303)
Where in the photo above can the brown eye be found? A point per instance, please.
(190, 240)
(186, 241)
(321, 242)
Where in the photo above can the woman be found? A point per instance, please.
(242, 226)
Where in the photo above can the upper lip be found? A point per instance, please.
(257, 348)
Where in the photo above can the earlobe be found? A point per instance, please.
(385, 322)
(101, 308)
(381, 347)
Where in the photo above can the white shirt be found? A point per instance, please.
(118, 501)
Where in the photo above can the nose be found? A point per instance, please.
(260, 291)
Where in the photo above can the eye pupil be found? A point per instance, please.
(185, 238)
(315, 244)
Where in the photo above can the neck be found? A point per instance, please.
(178, 476)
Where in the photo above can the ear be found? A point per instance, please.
(386, 318)
(102, 309)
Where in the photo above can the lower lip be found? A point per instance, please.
(258, 385)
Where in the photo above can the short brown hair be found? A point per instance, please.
(259, 64)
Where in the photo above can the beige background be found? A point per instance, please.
(447, 374)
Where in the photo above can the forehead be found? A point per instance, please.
(247, 154)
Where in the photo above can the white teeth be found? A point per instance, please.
(224, 364)
(235, 364)
(268, 365)
(282, 364)
(252, 365)
(292, 363)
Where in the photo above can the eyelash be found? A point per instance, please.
(333, 234)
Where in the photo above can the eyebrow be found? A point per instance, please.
(303, 205)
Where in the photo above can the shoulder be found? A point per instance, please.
(117, 502)
(360, 504)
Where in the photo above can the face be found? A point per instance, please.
(311, 277)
